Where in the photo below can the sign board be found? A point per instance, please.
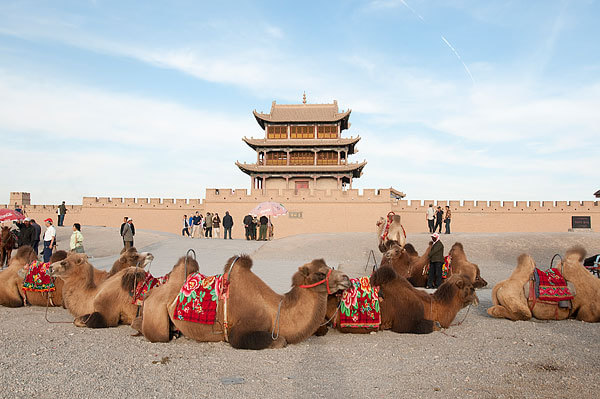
(581, 222)
(295, 215)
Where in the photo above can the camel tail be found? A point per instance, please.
(383, 275)
(254, 340)
(131, 277)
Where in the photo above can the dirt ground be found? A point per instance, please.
(481, 358)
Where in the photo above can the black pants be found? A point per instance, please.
(431, 225)
(434, 279)
(227, 230)
(185, 231)
(36, 246)
(208, 232)
(438, 226)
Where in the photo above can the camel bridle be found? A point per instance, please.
(325, 280)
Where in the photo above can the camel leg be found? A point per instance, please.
(588, 313)
(502, 312)
(321, 331)
(155, 322)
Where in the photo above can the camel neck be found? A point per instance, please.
(302, 311)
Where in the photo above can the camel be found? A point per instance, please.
(460, 265)
(257, 317)
(394, 234)
(407, 263)
(11, 294)
(7, 243)
(406, 309)
(94, 297)
(510, 301)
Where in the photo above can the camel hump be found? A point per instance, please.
(577, 251)
(243, 261)
(131, 277)
(383, 275)
(523, 258)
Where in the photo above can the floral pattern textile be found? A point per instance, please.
(143, 287)
(446, 266)
(37, 278)
(198, 298)
(552, 286)
(359, 306)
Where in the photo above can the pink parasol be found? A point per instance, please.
(269, 209)
(9, 214)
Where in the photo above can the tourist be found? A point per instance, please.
(128, 234)
(430, 218)
(264, 222)
(227, 225)
(36, 236)
(26, 233)
(191, 225)
(253, 226)
(439, 216)
(209, 225)
(130, 223)
(186, 226)
(217, 225)
(49, 239)
(62, 211)
(123, 227)
(436, 260)
(271, 230)
(447, 219)
(197, 224)
(247, 223)
(76, 244)
(18, 208)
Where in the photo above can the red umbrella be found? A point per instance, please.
(9, 214)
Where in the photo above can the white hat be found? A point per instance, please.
(129, 219)
(27, 220)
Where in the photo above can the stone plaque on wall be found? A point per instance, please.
(295, 215)
(581, 222)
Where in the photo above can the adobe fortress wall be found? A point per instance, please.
(324, 211)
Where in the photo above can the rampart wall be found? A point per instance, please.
(325, 211)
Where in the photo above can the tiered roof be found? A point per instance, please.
(262, 143)
(304, 113)
(354, 168)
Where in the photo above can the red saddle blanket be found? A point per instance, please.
(37, 278)
(359, 306)
(198, 298)
(143, 287)
(551, 286)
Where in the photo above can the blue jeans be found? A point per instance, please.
(47, 251)
(61, 219)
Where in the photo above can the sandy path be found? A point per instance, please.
(482, 358)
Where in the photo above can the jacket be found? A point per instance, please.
(38, 232)
(26, 235)
(227, 221)
(437, 252)
(264, 220)
(247, 220)
(127, 233)
(216, 222)
(209, 221)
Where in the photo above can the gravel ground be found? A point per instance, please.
(482, 358)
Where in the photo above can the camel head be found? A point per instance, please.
(479, 281)
(132, 257)
(73, 263)
(317, 271)
(459, 286)
(457, 250)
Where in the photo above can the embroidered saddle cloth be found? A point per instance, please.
(37, 278)
(359, 306)
(551, 286)
(446, 266)
(143, 287)
(198, 298)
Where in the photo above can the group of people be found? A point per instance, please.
(265, 228)
(198, 225)
(436, 216)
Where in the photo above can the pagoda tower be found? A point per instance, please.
(303, 147)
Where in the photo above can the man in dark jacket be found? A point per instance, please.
(26, 233)
(262, 234)
(436, 260)
(227, 224)
(36, 236)
(439, 216)
(247, 225)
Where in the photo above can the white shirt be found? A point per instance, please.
(50, 233)
(430, 213)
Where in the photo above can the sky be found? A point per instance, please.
(454, 99)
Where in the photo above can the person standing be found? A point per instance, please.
(430, 218)
(49, 239)
(436, 260)
(253, 225)
(26, 233)
(76, 244)
(62, 211)
(122, 229)
(36, 236)
(209, 225)
(247, 223)
(128, 234)
(186, 226)
(439, 216)
(217, 225)
(197, 221)
(227, 225)
(447, 219)
(264, 222)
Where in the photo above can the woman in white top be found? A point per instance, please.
(76, 244)
(49, 240)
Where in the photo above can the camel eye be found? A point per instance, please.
(320, 275)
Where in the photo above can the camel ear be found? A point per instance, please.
(460, 283)
(304, 270)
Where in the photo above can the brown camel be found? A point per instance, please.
(586, 304)
(94, 297)
(11, 294)
(406, 309)
(510, 301)
(407, 263)
(7, 243)
(395, 233)
(257, 317)
(460, 265)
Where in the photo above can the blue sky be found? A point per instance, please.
(456, 99)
